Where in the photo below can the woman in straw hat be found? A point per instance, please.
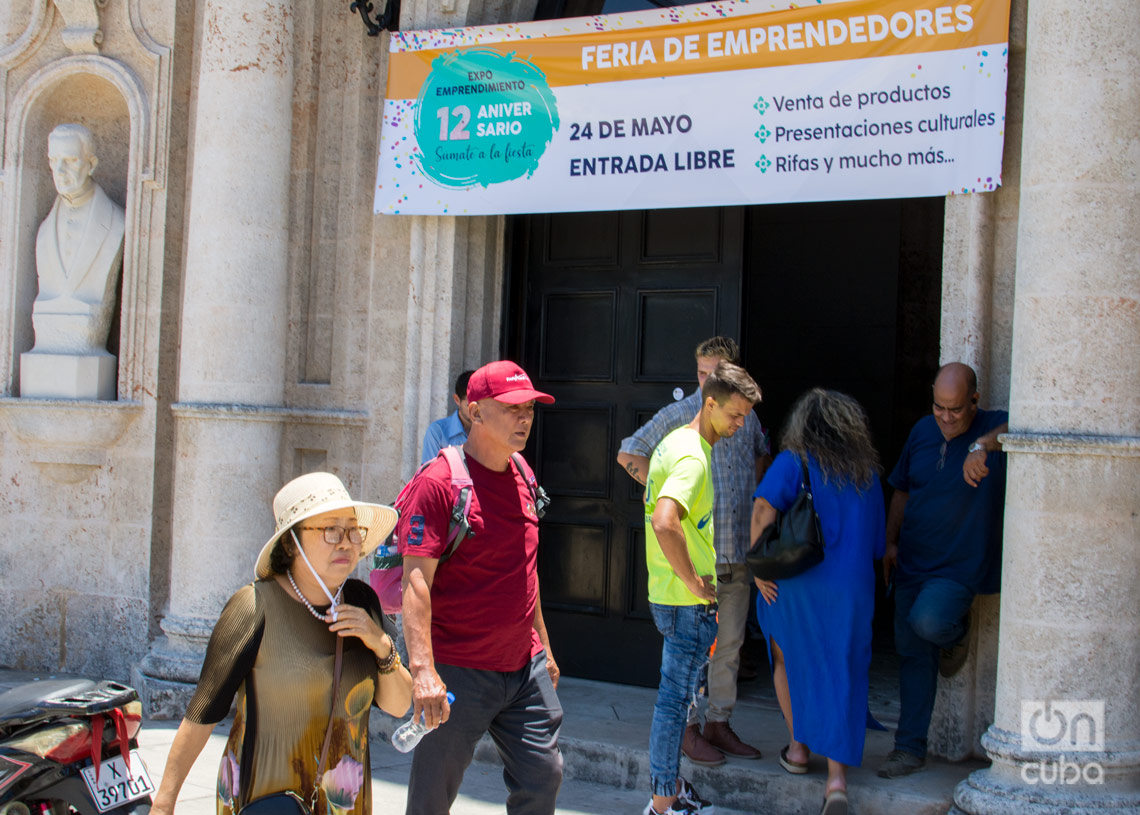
(277, 645)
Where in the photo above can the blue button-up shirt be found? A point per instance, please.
(442, 433)
(733, 471)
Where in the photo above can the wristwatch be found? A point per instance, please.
(976, 446)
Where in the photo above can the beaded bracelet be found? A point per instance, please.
(389, 663)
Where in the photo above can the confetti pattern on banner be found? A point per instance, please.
(509, 32)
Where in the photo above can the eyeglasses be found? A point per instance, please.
(941, 462)
(335, 534)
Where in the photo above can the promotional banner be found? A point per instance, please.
(702, 105)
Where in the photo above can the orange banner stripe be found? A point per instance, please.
(560, 58)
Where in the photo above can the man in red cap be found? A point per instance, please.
(473, 621)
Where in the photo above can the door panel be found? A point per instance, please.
(570, 437)
(666, 322)
(581, 549)
(682, 235)
(564, 315)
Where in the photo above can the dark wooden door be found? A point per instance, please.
(846, 295)
(822, 281)
(606, 310)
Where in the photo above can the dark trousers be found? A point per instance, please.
(522, 713)
(929, 615)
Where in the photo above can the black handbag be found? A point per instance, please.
(279, 803)
(289, 802)
(793, 543)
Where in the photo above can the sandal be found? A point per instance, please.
(835, 803)
(793, 767)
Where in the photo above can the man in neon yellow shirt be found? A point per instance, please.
(681, 558)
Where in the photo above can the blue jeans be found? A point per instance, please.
(929, 615)
(689, 632)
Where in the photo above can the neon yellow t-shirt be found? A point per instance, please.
(681, 469)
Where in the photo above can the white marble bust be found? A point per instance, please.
(79, 250)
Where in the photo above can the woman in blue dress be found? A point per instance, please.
(818, 624)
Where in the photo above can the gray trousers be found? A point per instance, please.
(521, 711)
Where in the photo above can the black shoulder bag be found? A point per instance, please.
(289, 802)
(793, 543)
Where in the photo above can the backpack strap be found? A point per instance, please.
(403, 494)
(537, 493)
(459, 526)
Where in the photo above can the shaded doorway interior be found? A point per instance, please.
(604, 310)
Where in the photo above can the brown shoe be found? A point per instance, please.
(720, 736)
(699, 751)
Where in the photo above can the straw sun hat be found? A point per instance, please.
(314, 493)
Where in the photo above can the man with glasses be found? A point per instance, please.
(473, 621)
(944, 531)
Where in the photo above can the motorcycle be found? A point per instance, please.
(69, 746)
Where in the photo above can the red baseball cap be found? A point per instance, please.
(505, 382)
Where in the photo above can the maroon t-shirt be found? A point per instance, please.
(483, 596)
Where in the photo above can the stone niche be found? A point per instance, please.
(67, 439)
(94, 102)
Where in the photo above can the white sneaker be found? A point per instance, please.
(678, 807)
(686, 793)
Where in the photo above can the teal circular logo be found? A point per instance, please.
(483, 118)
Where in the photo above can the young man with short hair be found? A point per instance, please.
(737, 467)
(681, 560)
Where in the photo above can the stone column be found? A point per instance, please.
(231, 376)
(979, 260)
(454, 313)
(456, 265)
(967, 283)
(1070, 604)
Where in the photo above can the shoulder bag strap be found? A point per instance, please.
(805, 481)
(328, 730)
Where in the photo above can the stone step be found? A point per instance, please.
(605, 740)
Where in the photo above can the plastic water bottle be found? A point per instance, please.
(386, 576)
(386, 556)
(408, 735)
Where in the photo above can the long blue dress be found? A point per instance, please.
(822, 618)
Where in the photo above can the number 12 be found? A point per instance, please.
(459, 132)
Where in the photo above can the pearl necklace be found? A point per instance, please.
(322, 617)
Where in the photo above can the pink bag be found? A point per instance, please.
(386, 584)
